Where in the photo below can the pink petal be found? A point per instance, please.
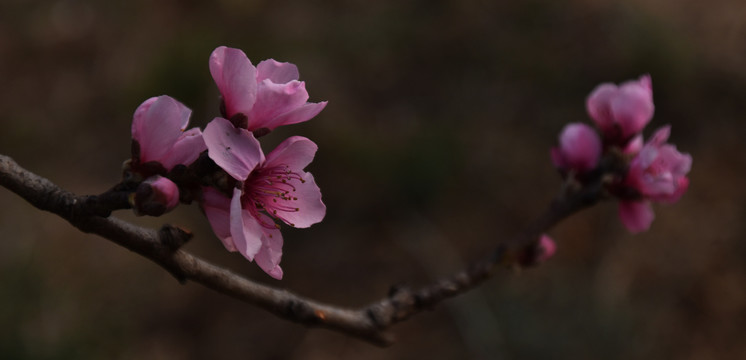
(634, 145)
(234, 150)
(156, 126)
(636, 215)
(185, 150)
(296, 152)
(277, 72)
(681, 186)
(660, 136)
(245, 230)
(236, 79)
(273, 100)
(138, 119)
(646, 82)
(269, 256)
(217, 209)
(311, 209)
(300, 114)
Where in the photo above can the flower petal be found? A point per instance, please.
(234, 150)
(660, 136)
(236, 79)
(277, 72)
(245, 230)
(311, 209)
(138, 119)
(157, 124)
(217, 209)
(186, 149)
(296, 152)
(300, 114)
(273, 100)
(269, 256)
(634, 145)
(636, 215)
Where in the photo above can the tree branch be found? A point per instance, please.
(369, 323)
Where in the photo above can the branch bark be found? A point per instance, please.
(370, 323)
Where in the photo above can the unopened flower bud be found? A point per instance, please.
(539, 252)
(579, 149)
(621, 112)
(155, 196)
(547, 248)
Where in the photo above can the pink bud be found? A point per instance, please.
(621, 112)
(540, 252)
(155, 196)
(579, 148)
(547, 248)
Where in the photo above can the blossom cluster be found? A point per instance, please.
(652, 171)
(243, 192)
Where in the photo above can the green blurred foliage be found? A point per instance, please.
(434, 146)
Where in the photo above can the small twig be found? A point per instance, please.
(369, 323)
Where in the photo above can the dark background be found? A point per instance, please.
(434, 146)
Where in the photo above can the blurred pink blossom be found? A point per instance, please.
(659, 170)
(657, 173)
(268, 95)
(621, 112)
(579, 148)
(271, 187)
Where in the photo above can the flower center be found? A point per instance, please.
(273, 190)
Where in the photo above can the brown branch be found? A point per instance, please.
(369, 323)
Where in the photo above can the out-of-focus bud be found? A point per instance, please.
(621, 112)
(155, 196)
(539, 252)
(579, 148)
(547, 248)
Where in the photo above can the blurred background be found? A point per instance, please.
(434, 146)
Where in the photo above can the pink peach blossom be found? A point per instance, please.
(158, 129)
(268, 187)
(579, 148)
(658, 173)
(268, 95)
(621, 112)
